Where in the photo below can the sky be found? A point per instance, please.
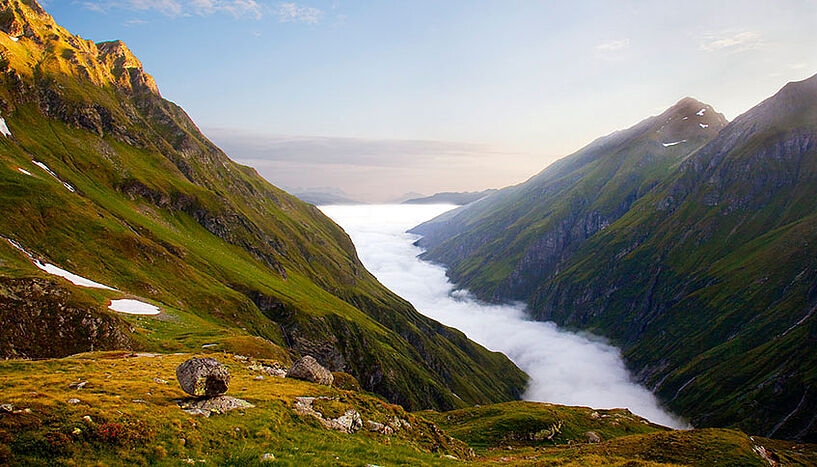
(387, 97)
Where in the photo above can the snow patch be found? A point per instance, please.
(703, 125)
(701, 112)
(22, 170)
(133, 307)
(50, 172)
(15, 39)
(666, 145)
(4, 129)
(57, 271)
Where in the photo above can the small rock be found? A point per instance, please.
(371, 425)
(78, 385)
(203, 377)
(211, 405)
(449, 456)
(74, 401)
(76, 431)
(88, 419)
(259, 378)
(593, 437)
(595, 416)
(6, 408)
(308, 369)
(139, 401)
(267, 457)
(159, 381)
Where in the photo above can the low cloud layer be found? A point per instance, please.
(564, 367)
(376, 169)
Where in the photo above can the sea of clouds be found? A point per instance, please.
(565, 367)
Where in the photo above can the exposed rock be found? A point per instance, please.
(268, 457)
(593, 437)
(213, 405)
(203, 377)
(372, 425)
(308, 369)
(159, 381)
(398, 423)
(78, 385)
(349, 422)
(6, 408)
(73, 401)
(274, 369)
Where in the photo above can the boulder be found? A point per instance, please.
(308, 369)
(203, 377)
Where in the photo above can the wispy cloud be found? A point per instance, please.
(294, 13)
(730, 41)
(285, 12)
(614, 45)
(135, 22)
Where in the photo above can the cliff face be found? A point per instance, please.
(157, 211)
(703, 274)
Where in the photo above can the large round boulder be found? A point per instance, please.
(203, 377)
(308, 369)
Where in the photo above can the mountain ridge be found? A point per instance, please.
(703, 281)
(159, 213)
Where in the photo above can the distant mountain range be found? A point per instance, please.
(323, 196)
(450, 197)
(688, 242)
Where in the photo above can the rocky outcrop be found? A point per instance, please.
(41, 319)
(203, 377)
(308, 369)
(213, 405)
(349, 422)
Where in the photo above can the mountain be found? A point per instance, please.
(323, 196)
(706, 279)
(103, 178)
(501, 246)
(404, 197)
(450, 197)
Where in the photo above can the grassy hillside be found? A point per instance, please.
(127, 413)
(139, 200)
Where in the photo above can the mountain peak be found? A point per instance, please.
(24, 18)
(687, 117)
(126, 68)
(33, 35)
